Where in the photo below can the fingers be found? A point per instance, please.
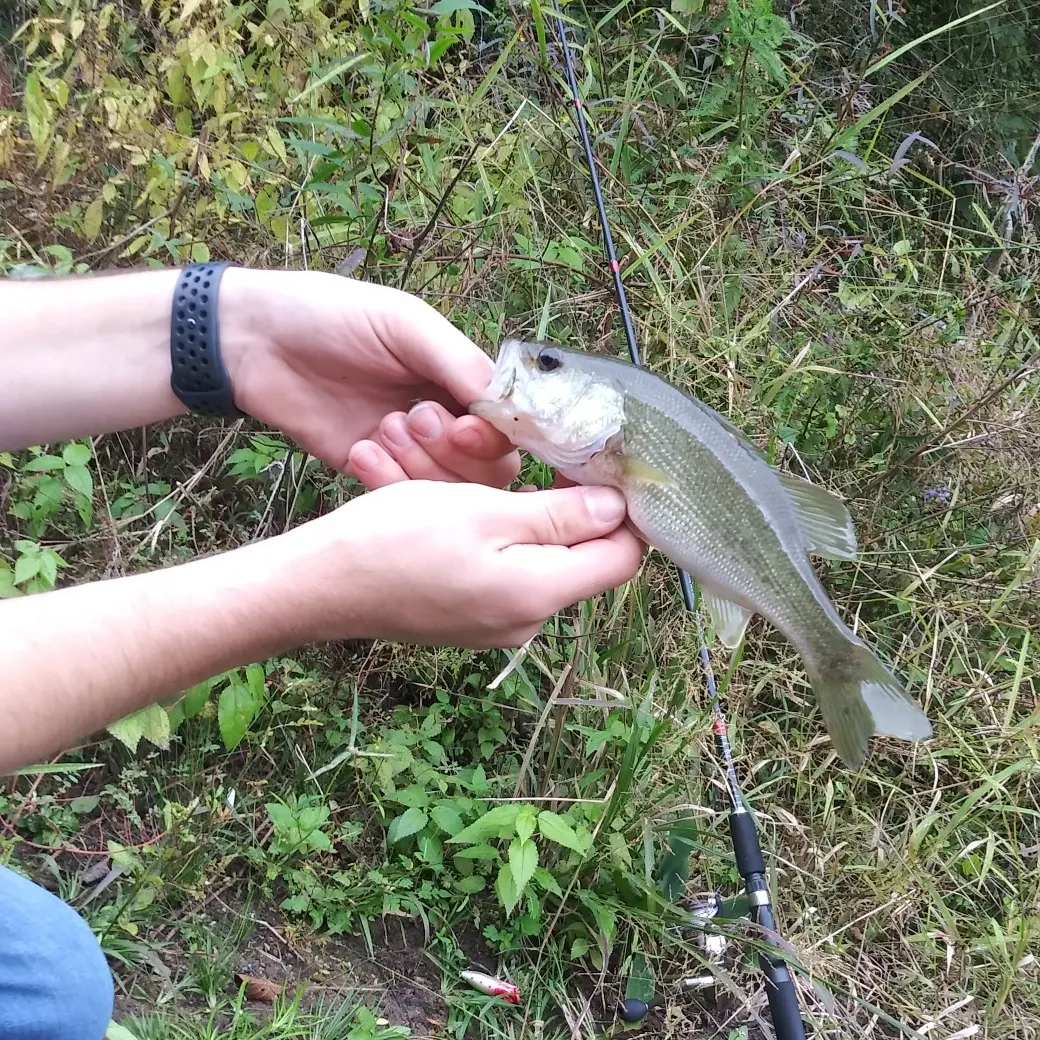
(373, 466)
(467, 446)
(395, 435)
(475, 436)
(432, 347)
(568, 544)
(431, 444)
(560, 516)
(558, 576)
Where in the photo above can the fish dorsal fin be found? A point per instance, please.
(729, 619)
(823, 518)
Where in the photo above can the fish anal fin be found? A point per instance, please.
(823, 518)
(637, 469)
(729, 619)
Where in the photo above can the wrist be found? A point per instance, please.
(319, 573)
(261, 600)
(245, 308)
(260, 310)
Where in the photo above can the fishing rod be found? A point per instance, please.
(780, 988)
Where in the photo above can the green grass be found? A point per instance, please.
(855, 322)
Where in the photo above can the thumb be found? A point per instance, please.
(564, 516)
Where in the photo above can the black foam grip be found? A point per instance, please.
(199, 377)
(745, 844)
(783, 1005)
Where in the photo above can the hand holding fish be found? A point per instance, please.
(459, 564)
(334, 362)
(331, 361)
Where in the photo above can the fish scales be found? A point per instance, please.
(704, 496)
(707, 523)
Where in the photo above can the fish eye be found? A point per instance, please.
(549, 360)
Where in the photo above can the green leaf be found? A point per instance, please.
(152, 723)
(7, 588)
(673, 869)
(523, 860)
(414, 796)
(235, 710)
(44, 464)
(431, 851)
(557, 829)
(76, 454)
(505, 889)
(447, 818)
(128, 730)
(640, 980)
(477, 852)
(579, 948)
(281, 816)
(319, 840)
(274, 139)
(470, 885)
(499, 822)
(256, 681)
(26, 567)
(85, 804)
(195, 698)
(547, 881)
(38, 112)
(49, 566)
(79, 479)
(525, 822)
(117, 1032)
(155, 725)
(92, 219)
(443, 7)
(408, 823)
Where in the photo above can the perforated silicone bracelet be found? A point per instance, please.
(199, 377)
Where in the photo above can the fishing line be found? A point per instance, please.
(780, 989)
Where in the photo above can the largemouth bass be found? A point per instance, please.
(703, 495)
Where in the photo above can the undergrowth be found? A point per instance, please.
(813, 242)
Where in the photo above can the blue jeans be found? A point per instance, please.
(55, 983)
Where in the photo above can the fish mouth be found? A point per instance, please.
(489, 406)
(484, 408)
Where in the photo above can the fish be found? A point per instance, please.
(702, 494)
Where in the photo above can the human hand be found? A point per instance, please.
(456, 564)
(335, 363)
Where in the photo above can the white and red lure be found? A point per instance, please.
(491, 986)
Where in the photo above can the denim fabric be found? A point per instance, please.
(55, 983)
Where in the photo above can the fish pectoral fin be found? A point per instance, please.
(823, 518)
(637, 469)
(729, 619)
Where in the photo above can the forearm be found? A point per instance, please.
(74, 660)
(89, 355)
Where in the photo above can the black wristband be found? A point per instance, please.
(199, 377)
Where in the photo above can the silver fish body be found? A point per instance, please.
(704, 496)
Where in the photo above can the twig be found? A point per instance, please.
(421, 237)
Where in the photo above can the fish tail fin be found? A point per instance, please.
(860, 697)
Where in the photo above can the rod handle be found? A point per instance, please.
(783, 1001)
